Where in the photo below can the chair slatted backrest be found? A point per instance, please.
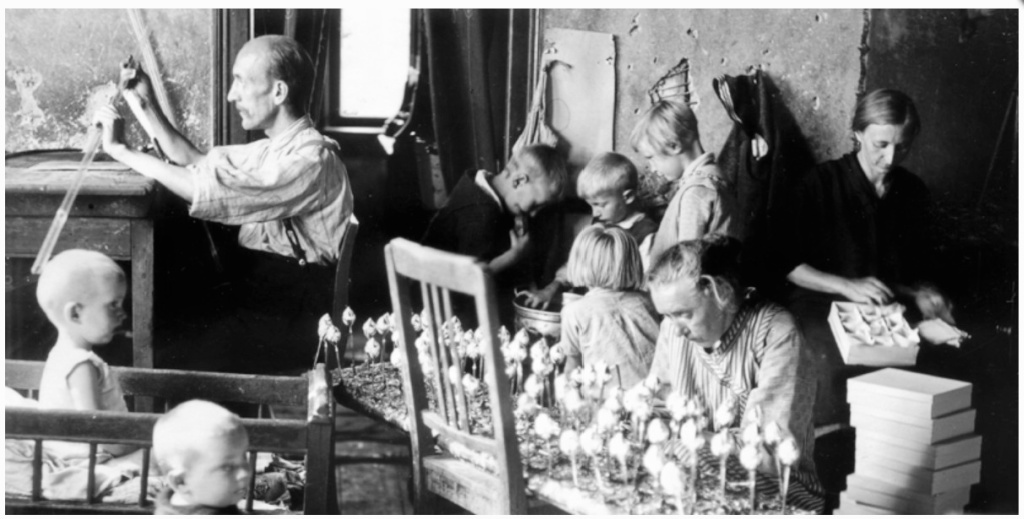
(438, 275)
(342, 281)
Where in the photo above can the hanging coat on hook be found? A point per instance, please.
(763, 157)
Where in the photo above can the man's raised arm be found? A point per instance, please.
(173, 144)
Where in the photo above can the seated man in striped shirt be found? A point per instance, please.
(727, 348)
(289, 192)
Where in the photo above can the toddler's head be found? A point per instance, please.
(82, 293)
(664, 132)
(200, 448)
(605, 257)
(608, 183)
(537, 176)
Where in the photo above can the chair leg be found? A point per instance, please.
(423, 501)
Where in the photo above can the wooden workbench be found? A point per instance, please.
(112, 214)
(375, 391)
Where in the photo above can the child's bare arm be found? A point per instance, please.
(513, 254)
(83, 384)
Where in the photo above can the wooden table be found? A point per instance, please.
(112, 214)
(380, 398)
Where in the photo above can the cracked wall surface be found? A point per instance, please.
(60, 65)
(811, 55)
(959, 65)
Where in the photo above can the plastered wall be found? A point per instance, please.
(960, 73)
(812, 56)
(61, 64)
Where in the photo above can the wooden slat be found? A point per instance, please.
(465, 485)
(406, 262)
(97, 426)
(144, 478)
(142, 302)
(435, 333)
(142, 293)
(23, 236)
(137, 428)
(90, 485)
(23, 374)
(52, 174)
(460, 392)
(319, 494)
(71, 507)
(477, 443)
(282, 436)
(173, 384)
(501, 400)
(37, 470)
(320, 401)
(413, 383)
(221, 387)
(85, 206)
(342, 280)
(443, 359)
(252, 482)
(440, 268)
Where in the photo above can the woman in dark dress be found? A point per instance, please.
(858, 232)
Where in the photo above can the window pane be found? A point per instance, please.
(374, 61)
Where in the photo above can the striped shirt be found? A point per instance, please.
(296, 175)
(760, 363)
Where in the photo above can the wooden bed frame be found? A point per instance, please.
(311, 435)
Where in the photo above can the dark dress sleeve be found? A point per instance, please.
(800, 224)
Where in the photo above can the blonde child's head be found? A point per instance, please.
(537, 176)
(605, 257)
(608, 183)
(668, 125)
(82, 292)
(664, 135)
(200, 448)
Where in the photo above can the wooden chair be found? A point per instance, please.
(342, 280)
(436, 473)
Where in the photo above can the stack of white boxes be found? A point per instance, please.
(916, 448)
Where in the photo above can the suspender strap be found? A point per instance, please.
(293, 240)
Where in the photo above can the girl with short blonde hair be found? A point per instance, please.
(615, 323)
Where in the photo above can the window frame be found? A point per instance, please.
(331, 114)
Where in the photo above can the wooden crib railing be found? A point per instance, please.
(311, 435)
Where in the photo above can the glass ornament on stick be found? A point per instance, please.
(569, 443)
(671, 480)
(788, 452)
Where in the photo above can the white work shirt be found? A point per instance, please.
(296, 174)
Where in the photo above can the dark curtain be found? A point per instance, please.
(466, 60)
(763, 184)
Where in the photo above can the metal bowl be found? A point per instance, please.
(539, 323)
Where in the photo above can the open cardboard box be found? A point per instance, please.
(856, 351)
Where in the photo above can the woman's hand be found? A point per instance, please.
(108, 118)
(933, 305)
(542, 298)
(865, 290)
